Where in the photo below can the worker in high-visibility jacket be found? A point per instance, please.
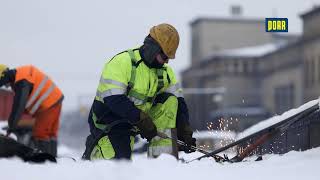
(36, 94)
(138, 93)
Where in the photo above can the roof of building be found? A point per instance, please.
(251, 51)
(247, 52)
(227, 19)
(314, 11)
(284, 41)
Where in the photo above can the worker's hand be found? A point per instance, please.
(147, 128)
(185, 134)
(189, 142)
(9, 131)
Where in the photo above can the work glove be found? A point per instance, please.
(185, 134)
(147, 128)
(187, 148)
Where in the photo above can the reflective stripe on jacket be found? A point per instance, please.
(44, 93)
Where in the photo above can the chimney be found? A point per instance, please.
(236, 10)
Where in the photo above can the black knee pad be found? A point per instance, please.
(121, 145)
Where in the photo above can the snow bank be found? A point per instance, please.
(215, 134)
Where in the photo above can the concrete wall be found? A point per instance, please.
(240, 90)
(311, 53)
(212, 35)
(311, 25)
(279, 79)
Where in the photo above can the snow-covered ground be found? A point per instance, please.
(293, 165)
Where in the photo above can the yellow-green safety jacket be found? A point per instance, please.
(127, 74)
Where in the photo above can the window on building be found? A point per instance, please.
(284, 98)
(306, 73)
(236, 66)
(250, 66)
(318, 75)
(195, 50)
(312, 72)
(257, 66)
(218, 66)
(240, 67)
(245, 67)
(230, 67)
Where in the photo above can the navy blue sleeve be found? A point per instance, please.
(22, 90)
(123, 107)
(183, 112)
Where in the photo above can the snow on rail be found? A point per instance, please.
(275, 119)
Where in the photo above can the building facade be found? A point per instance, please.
(262, 73)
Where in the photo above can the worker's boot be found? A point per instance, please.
(47, 146)
(53, 147)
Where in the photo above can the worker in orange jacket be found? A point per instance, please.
(36, 94)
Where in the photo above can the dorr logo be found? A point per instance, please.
(276, 24)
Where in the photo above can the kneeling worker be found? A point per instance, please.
(36, 94)
(138, 93)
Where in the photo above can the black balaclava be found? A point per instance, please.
(8, 77)
(149, 51)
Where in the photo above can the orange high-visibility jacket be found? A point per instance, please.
(44, 93)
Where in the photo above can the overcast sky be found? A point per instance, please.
(72, 39)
